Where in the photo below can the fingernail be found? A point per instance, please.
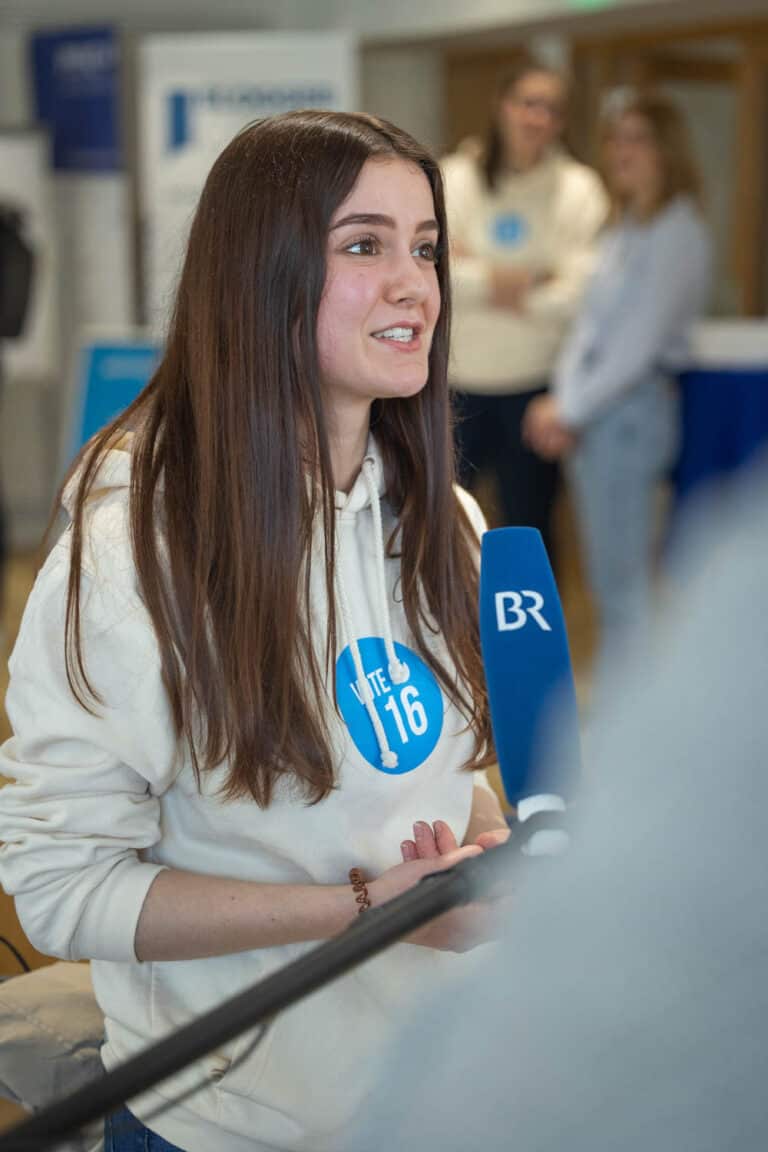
(420, 828)
(439, 825)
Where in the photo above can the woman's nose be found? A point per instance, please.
(408, 280)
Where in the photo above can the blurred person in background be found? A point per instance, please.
(626, 1006)
(523, 218)
(613, 409)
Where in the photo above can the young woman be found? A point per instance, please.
(612, 411)
(523, 218)
(252, 663)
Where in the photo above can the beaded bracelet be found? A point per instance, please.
(360, 888)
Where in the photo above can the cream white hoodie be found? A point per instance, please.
(543, 220)
(100, 803)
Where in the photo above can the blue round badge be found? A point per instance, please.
(411, 712)
(510, 230)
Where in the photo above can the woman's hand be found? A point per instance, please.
(435, 846)
(429, 841)
(493, 838)
(455, 931)
(544, 431)
(509, 286)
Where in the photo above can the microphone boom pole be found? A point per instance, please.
(369, 934)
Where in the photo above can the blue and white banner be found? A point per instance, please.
(76, 88)
(76, 80)
(111, 372)
(197, 91)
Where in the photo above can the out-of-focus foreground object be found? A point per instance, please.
(627, 1006)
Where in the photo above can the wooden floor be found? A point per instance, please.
(10, 1114)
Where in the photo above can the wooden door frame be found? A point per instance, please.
(601, 61)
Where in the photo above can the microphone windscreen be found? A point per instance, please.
(527, 666)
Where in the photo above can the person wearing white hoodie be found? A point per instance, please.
(523, 218)
(251, 664)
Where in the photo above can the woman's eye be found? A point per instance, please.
(427, 251)
(365, 246)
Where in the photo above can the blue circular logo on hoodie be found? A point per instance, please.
(411, 712)
(510, 230)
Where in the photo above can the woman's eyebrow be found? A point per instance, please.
(382, 221)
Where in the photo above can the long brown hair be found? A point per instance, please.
(680, 174)
(221, 455)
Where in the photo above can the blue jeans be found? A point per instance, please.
(614, 472)
(124, 1133)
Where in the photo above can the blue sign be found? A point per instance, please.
(411, 713)
(112, 376)
(77, 95)
(509, 231)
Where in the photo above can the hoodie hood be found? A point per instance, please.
(370, 482)
(113, 473)
(367, 492)
(113, 478)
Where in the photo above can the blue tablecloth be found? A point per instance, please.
(724, 424)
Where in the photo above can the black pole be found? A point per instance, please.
(369, 934)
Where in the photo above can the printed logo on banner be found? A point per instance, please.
(76, 76)
(411, 713)
(184, 104)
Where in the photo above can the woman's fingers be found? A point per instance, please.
(444, 837)
(426, 843)
(429, 841)
(492, 839)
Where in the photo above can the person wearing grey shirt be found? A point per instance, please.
(613, 410)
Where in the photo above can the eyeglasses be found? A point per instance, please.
(550, 108)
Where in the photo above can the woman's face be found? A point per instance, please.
(381, 299)
(634, 165)
(531, 118)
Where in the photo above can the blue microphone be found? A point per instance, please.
(528, 671)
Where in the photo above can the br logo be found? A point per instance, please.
(411, 712)
(514, 609)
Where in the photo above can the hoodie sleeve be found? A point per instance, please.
(654, 310)
(81, 810)
(470, 273)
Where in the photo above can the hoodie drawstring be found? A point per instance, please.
(388, 757)
(398, 671)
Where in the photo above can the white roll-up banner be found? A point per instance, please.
(197, 91)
